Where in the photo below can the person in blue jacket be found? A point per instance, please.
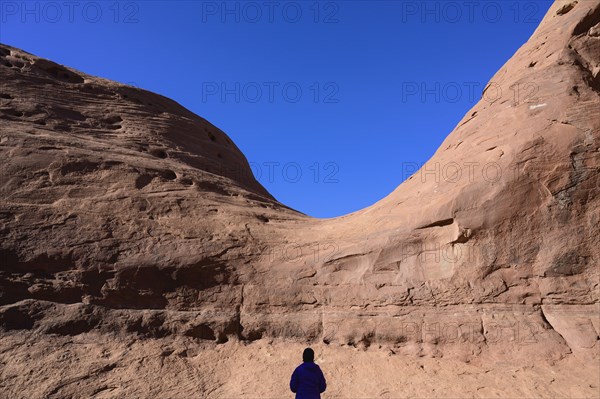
(308, 381)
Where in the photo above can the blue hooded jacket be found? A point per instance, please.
(308, 381)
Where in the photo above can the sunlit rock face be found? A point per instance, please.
(125, 214)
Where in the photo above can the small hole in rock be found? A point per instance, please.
(169, 175)
(159, 153)
(222, 339)
(262, 218)
(576, 90)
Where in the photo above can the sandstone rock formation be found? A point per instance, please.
(125, 215)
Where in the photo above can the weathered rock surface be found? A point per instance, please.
(123, 214)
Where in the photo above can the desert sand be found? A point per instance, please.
(99, 366)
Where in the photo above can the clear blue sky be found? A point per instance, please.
(330, 101)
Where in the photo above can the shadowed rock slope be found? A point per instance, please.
(124, 213)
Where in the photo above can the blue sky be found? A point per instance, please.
(332, 102)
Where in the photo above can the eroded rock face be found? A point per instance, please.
(123, 212)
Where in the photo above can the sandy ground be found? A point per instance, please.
(100, 366)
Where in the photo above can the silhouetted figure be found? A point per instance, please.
(308, 381)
